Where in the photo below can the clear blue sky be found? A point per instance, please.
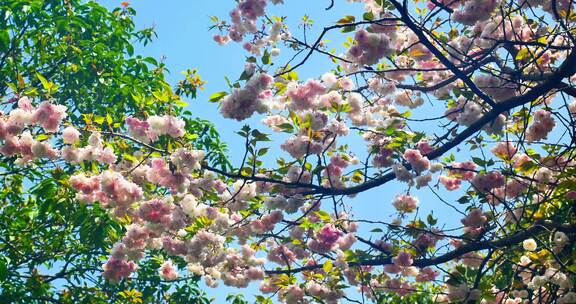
(184, 41)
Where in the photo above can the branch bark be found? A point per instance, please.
(516, 238)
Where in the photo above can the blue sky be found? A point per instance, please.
(185, 42)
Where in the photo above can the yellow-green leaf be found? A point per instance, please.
(43, 80)
(522, 54)
(217, 96)
(328, 265)
(346, 20)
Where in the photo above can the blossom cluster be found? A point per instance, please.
(242, 103)
(543, 124)
(16, 141)
(154, 126)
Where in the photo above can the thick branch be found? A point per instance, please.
(443, 59)
(567, 69)
(456, 253)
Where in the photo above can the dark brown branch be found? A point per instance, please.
(319, 40)
(516, 238)
(443, 59)
(568, 68)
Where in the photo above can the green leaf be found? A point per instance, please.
(323, 215)
(348, 29)
(130, 49)
(262, 151)
(479, 161)
(43, 80)
(346, 20)
(244, 76)
(522, 54)
(217, 96)
(181, 103)
(3, 269)
(259, 136)
(368, 16)
(4, 41)
(99, 119)
(464, 200)
(266, 57)
(431, 220)
(262, 300)
(41, 137)
(286, 127)
(328, 265)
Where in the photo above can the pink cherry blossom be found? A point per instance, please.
(405, 203)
